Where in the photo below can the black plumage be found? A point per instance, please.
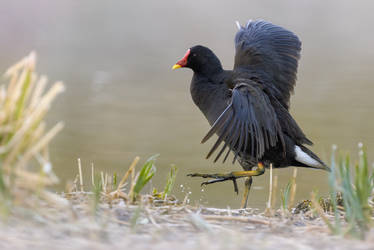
(247, 107)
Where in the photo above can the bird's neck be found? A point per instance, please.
(210, 71)
(209, 94)
(213, 76)
(211, 67)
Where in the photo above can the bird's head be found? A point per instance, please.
(200, 59)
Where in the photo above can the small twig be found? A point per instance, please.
(131, 192)
(222, 210)
(236, 218)
(92, 174)
(293, 188)
(106, 181)
(75, 183)
(268, 210)
(185, 200)
(275, 188)
(103, 181)
(270, 186)
(80, 174)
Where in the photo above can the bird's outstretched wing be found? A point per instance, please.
(249, 124)
(272, 52)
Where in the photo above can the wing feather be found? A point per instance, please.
(272, 52)
(249, 124)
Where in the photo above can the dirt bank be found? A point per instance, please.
(120, 226)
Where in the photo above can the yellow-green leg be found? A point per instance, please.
(259, 170)
(248, 184)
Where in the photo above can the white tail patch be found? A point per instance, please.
(303, 157)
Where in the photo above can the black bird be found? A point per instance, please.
(247, 107)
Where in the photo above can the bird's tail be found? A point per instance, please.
(306, 158)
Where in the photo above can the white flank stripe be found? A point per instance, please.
(303, 157)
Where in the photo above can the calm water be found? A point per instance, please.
(123, 100)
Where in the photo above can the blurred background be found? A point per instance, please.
(123, 100)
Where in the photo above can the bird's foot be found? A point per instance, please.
(232, 176)
(218, 178)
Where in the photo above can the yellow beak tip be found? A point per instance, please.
(176, 66)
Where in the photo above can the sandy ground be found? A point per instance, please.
(120, 226)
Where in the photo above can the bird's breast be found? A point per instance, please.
(210, 98)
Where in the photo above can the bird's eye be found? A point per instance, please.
(193, 54)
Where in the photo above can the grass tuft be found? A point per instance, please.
(104, 186)
(354, 189)
(25, 169)
(144, 176)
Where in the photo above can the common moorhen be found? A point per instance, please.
(247, 107)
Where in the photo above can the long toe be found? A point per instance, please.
(213, 181)
(236, 190)
(199, 175)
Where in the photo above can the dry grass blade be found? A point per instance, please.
(275, 188)
(40, 144)
(129, 171)
(80, 174)
(268, 210)
(293, 189)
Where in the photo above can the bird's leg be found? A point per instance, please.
(231, 176)
(248, 184)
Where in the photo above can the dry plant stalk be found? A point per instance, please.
(293, 188)
(24, 139)
(105, 187)
(105, 182)
(270, 186)
(269, 211)
(92, 175)
(129, 171)
(275, 188)
(80, 174)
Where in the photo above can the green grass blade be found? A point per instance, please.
(170, 181)
(285, 196)
(145, 175)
